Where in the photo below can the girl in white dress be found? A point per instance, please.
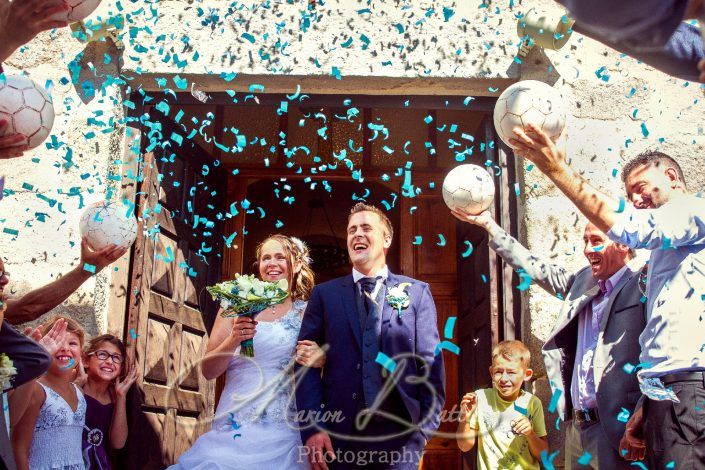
(253, 428)
(48, 436)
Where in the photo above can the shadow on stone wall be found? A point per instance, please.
(535, 66)
(84, 314)
(94, 68)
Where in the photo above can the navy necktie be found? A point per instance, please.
(367, 285)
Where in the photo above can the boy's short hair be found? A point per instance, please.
(512, 350)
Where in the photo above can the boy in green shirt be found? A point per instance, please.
(506, 422)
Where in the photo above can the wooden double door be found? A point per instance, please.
(186, 242)
(176, 255)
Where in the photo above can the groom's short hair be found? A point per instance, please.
(364, 207)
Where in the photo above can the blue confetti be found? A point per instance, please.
(70, 364)
(525, 281)
(386, 361)
(469, 249)
(623, 415)
(547, 460)
(585, 458)
(554, 400)
(448, 346)
(181, 83)
(644, 130)
(524, 411)
(89, 267)
(447, 14)
(622, 205)
(133, 333)
(449, 327)
(417, 240)
(441, 240)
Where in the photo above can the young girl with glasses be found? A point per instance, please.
(107, 382)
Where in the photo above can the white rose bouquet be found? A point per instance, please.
(7, 371)
(246, 295)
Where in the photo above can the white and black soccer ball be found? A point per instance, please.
(529, 101)
(78, 10)
(28, 109)
(106, 224)
(468, 187)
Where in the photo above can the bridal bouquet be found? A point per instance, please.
(7, 371)
(246, 296)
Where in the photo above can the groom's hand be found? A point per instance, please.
(320, 451)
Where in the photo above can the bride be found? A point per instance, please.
(252, 427)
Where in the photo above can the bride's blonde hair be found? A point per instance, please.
(301, 283)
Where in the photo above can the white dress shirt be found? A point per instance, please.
(382, 276)
(674, 337)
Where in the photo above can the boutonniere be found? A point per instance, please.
(397, 297)
(7, 371)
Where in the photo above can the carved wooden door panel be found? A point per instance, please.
(177, 254)
(433, 260)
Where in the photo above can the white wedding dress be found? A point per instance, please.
(254, 426)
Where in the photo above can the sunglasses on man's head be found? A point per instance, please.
(104, 355)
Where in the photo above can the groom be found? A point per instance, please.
(385, 414)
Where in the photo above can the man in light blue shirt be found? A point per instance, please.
(671, 223)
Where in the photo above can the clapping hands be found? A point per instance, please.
(55, 338)
(121, 387)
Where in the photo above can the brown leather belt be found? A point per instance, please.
(586, 416)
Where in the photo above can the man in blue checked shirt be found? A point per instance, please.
(667, 220)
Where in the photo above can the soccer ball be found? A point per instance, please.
(106, 224)
(529, 101)
(468, 187)
(27, 108)
(78, 10)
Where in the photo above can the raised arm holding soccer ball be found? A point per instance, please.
(22, 20)
(36, 303)
(660, 216)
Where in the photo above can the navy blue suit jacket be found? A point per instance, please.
(331, 318)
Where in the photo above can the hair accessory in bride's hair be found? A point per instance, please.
(303, 252)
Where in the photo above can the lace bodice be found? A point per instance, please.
(260, 389)
(56, 443)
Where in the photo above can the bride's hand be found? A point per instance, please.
(244, 328)
(309, 354)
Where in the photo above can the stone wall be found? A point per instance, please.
(617, 108)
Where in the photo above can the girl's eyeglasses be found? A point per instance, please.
(104, 355)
